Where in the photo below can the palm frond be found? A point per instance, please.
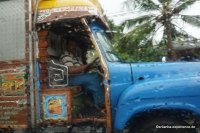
(149, 5)
(163, 1)
(174, 3)
(192, 10)
(143, 4)
(187, 28)
(138, 20)
(184, 40)
(133, 38)
(193, 20)
(180, 35)
(183, 4)
(156, 2)
(130, 4)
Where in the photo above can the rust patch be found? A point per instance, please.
(43, 44)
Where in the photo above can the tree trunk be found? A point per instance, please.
(168, 31)
(170, 51)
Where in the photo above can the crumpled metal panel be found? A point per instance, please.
(12, 30)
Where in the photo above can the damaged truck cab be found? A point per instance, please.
(137, 97)
(144, 95)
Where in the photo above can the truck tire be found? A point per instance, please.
(162, 125)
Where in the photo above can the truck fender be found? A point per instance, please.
(180, 93)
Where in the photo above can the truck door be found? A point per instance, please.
(15, 90)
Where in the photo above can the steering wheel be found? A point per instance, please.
(96, 63)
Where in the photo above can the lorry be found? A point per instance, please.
(35, 94)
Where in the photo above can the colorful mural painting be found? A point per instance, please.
(55, 107)
(12, 84)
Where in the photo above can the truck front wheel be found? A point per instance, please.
(162, 125)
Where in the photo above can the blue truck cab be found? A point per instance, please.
(40, 94)
(149, 97)
(158, 92)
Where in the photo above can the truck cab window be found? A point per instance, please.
(106, 45)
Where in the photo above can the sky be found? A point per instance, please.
(112, 8)
(111, 5)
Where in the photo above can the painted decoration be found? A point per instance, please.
(48, 15)
(54, 107)
(12, 84)
(13, 98)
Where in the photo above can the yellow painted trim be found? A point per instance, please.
(48, 4)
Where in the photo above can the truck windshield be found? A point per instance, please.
(106, 45)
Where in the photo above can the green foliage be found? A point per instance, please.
(163, 1)
(130, 51)
(144, 53)
(148, 5)
(138, 20)
(184, 4)
(137, 44)
(144, 4)
(136, 36)
(117, 32)
(195, 20)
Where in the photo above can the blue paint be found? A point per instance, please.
(139, 87)
(38, 89)
(130, 109)
(49, 115)
(118, 81)
(159, 70)
(181, 93)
